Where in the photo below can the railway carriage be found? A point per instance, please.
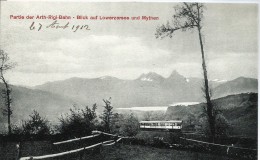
(172, 125)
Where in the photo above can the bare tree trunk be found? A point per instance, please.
(8, 103)
(211, 118)
(6, 93)
(189, 16)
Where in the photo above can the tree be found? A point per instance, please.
(80, 122)
(153, 116)
(124, 124)
(222, 126)
(36, 125)
(129, 126)
(107, 115)
(116, 123)
(6, 92)
(189, 16)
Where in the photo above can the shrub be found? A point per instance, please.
(126, 125)
(79, 122)
(36, 125)
(129, 126)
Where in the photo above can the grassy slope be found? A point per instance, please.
(240, 111)
(135, 152)
(114, 152)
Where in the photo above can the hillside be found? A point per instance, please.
(236, 86)
(26, 100)
(239, 110)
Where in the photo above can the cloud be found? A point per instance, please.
(126, 49)
(87, 54)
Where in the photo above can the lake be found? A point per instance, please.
(157, 108)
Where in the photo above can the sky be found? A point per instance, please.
(126, 49)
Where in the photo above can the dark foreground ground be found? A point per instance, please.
(136, 152)
(113, 152)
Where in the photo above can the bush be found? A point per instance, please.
(79, 122)
(36, 125)
(129, 126)
(126, 125)
(222, 126)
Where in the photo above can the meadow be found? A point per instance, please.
(114, 152)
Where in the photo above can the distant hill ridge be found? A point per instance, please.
(149, 89)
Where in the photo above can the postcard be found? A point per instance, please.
(128, 80)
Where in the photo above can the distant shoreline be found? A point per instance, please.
(158, 108)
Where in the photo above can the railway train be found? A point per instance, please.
(171, 125)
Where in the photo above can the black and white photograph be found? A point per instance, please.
(136, 80)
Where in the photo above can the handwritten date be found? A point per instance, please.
(56, 25)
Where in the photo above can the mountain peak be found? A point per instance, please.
(176, 75)
(151, 76)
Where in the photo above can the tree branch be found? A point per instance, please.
(191, 14)
(163, 30)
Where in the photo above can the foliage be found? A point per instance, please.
(79, 122)
(125, 124)
(187, 16)
(222, 126)
(35, 125)
(153, 116)
(116, 123)
(6, 92)
(17, 130)
(107, 115)
(129, 126)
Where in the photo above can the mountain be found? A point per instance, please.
(150, 89)
(175, 76)
(240, 111)
(236, 86)
(151, 77)
(26, 100)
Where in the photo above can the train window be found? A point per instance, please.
(162, 124)
(154, 124)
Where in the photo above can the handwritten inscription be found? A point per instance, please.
(56, 25)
